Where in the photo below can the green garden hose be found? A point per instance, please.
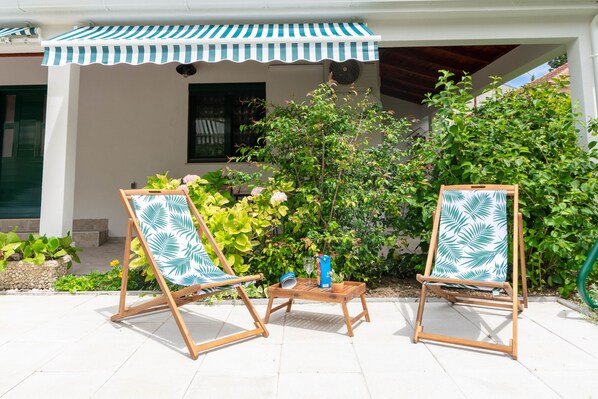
(586, 268)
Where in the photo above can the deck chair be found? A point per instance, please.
(173, 247)
(468, 257)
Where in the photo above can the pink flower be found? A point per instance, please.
(256, 191)
(278, 196)
(183, 187)
(190, 179)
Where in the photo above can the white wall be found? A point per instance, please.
(133, 124)
(16, 71)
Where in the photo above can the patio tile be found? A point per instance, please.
(12, 329)
(515, 382)
(121, 333)
(153, 354)
(27, 356)
(90, 357)
(240, 359)
(131, 384)
(322, 386)
(395, 356)
(226, 385)
(61, 385)
(566, 323)
(412, 384)
(11, 378)
(69, 340)
(318, 357)
(59, 330)
(542, 350)
(571, 384)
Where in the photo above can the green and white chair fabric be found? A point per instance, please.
(469, 248)
(472, 243)
(168, 228)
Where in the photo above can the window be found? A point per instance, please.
(216, 114)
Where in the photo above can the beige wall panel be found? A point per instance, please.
(22, 71)
(133, 124)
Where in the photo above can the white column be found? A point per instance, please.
(583, 83)
(60, 144)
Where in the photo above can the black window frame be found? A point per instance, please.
(229, 91)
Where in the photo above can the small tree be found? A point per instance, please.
(344, 201)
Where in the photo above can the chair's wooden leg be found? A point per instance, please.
(125, 272)
(515, 315)
(522, 261)
(347, 318)
(365, 308)
(256, 318)
(178, 318)
(420, 313)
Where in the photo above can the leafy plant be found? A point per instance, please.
(346, 195)
(336, 278)
(9, 245)
(527, 137)
(35, 249)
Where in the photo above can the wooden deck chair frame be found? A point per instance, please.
(172, 300)
(512, 302)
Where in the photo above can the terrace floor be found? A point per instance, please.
(65, 346)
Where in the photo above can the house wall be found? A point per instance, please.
(133, 124)
(16, 71)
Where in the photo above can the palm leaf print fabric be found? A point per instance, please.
(472, 242)
(166, 224)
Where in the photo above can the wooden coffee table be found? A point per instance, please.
(307, 289)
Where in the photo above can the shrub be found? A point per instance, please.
(527, 137)
(347, 193)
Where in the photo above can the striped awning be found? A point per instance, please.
(11, 33)
(110, 45)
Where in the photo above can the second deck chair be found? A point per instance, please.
(161, 219)
(469, 249)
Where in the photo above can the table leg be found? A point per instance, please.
(268, 310)
(290, 304)
(347, 318)
(365, 308)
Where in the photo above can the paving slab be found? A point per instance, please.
(66, 346)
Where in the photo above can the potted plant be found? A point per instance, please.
(337, 280)
(36, 262)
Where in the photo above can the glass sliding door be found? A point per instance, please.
(22, 115)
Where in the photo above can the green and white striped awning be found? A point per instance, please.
(12, 33)
(110, 45)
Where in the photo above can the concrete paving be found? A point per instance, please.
(65, 346)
